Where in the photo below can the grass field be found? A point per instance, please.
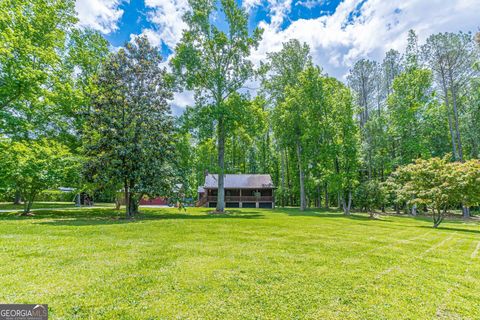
(36, 205)
(249, 264)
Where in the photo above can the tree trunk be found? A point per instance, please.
(282, 175)
(437, 217)
(346, 204)
(319, 200)
(28, 202)
(450, 126)
(302, 178)
(221, 165)
(287, 172)
(466, 212)
(128, 212)
(414, 210)
(326, 196)
(27, 206)
(117, 203)
(455, 118)
(18, 197)
(133, 204)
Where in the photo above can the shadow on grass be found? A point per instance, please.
(92, 216)
(328, 213)
(451, 229)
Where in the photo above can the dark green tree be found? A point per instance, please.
(128, 137)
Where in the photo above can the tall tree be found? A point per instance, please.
(362, 81)
(391, 67)
(290, 118)
(130, 127)
(215, 64)
(451, 57)
(406, 105)
(32, 37)
(281, 71)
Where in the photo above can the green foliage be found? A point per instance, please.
(369, 195)
(451, 57)
(32, 36)
(406, 106)
(438, 184)
(56, 196)
(215, 65)
(128, 137)
(33, 166)
(283, 68)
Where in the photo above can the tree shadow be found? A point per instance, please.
(328, 213)
(89, 217)
(451, 229)
(428, 219)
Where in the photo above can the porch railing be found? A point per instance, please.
(242, 199)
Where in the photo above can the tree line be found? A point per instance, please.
(102, 119)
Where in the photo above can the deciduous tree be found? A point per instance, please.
(214, 63)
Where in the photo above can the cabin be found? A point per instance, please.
(241, 191)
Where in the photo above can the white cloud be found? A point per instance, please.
(310, 3)
(102, 15)
(340, 39)
(181, 100)
(167, 16)
(250, 4)
(152, 36)
(357, 29)
(278, 9)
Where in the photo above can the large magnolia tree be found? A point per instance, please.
(128, 137)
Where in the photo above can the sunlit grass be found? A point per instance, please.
(249, 264)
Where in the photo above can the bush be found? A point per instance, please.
(437, 184)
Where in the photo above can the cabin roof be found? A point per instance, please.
(240, 181)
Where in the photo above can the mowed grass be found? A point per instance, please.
(249, 264)
(47, 205)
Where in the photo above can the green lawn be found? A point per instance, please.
(250, 264)
(11, 206)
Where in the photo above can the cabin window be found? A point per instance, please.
(232, 205)
(248, 205)
(265, 205)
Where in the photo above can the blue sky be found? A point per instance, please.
(339, 32)
(135, 16)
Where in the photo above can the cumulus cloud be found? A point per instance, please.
(101, 15)
(367, 29)
(166, 15)
(181, 100)
(357, 29)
